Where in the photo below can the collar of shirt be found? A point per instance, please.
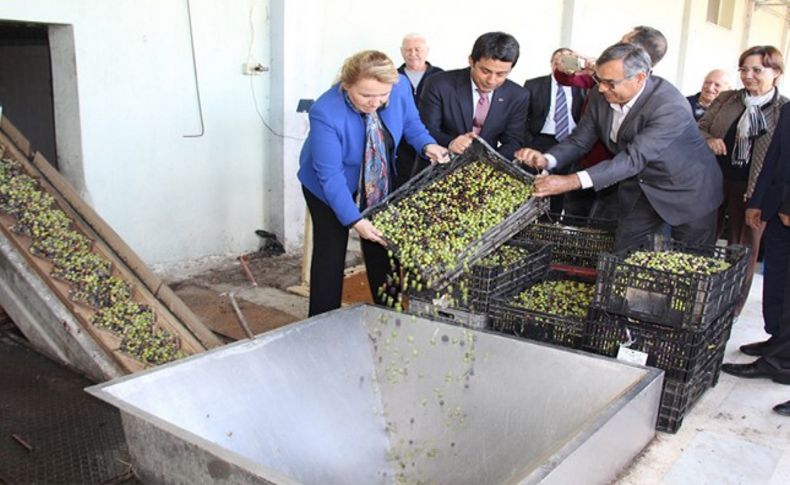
(621, 111)
(549, 127)
(476, 95)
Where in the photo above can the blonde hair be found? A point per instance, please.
(368, 65)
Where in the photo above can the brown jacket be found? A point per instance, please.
(726, 110)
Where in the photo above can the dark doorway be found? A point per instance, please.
(26, 84)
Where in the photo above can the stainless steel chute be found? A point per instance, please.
(365, 395)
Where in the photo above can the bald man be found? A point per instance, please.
(716, 81)
(414, 50)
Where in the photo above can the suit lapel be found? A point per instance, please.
(605, 115)
(495, 108)
(629, 122)
(463, 90)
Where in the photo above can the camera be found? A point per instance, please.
(571, 63)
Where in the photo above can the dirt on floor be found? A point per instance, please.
(216, 310)
(280, 271)
(206, 291)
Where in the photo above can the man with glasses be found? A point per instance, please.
(479, 100)
(667, 175)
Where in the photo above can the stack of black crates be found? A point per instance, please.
(682, 322)
(575, 244)
(468, 301)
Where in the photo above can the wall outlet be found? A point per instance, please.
(253, 68)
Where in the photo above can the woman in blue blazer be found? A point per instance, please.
(348, 163)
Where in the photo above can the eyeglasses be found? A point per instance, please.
(610, 83)
(756, 70)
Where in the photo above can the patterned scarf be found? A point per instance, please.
(750, 126)
(375, 172)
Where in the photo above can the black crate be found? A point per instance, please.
(689, 301)
(432, 309)
(682, 354)
(478, 151)
(576, 241)
(678, 398)
(481, 282)
(510, 319)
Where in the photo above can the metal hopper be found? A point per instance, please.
(365, 395)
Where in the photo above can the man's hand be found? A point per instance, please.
(461, 143)
(717, 146)
(785, 218)
(436, 153)
(753, 218)
(546, 185)
(531, 158)
(367, 230)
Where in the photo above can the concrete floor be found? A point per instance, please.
(731, 436)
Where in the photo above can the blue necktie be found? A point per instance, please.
(560, 115)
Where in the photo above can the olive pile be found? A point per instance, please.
(431, 228)
(457, 294)
(677, 262)
(564, 298)
(505, 255)
(89, 275)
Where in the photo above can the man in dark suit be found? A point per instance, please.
(770, 205)
(667, 174)
(546, 125)
(541, 117)
(479, 100)
(414, 50)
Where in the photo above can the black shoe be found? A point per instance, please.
(783, 409)
(749, 371)
(756, 349)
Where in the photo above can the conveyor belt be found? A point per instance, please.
(74, 438)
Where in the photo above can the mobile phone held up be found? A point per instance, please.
(571, 63)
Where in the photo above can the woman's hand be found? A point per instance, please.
(367, 230)
(717, 146)
(436, 153)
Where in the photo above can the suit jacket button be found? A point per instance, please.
(641, 181)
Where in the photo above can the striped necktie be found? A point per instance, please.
(560, 115)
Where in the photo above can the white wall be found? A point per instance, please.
(174, 198)
(170, 197)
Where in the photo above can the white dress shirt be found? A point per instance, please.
(549, 127)
(620, 111)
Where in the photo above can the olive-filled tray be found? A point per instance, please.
(448, 217)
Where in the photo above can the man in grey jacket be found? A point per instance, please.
(667, 174)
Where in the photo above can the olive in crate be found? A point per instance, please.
(675, 284)
(551, 310)
(432, 228)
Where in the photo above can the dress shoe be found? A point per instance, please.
(783, 409)
(749, 371)
(756, 349)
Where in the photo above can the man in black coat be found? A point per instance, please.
(541, 126)
(543, 118)
(414, 50)
(479, 100)
(715, 82)
(770, 205)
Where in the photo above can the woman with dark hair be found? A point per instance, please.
(738, 127)
(347, 165)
